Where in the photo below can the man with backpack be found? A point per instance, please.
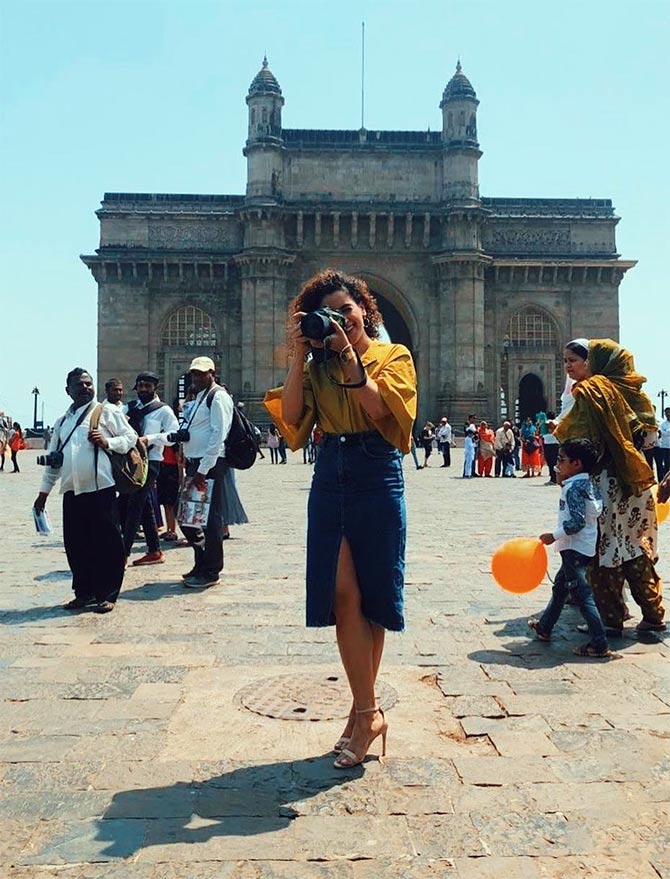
(153, 420)
(204, 445)
(78, 457)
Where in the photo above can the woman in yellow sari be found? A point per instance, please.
(362, 394)
(612, 411)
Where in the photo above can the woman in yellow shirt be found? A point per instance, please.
(362, 394)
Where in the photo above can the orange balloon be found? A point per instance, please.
(662, 510)
(519, 565)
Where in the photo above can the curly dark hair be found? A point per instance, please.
(331, 281)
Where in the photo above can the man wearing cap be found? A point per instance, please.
(208, 425)
(153, 420)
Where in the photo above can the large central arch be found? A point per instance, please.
(399, 319)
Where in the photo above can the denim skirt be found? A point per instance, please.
(357, 492)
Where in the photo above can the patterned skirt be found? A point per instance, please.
(628, 526)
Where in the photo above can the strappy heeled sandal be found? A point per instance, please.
(343, 740)
(353, 759)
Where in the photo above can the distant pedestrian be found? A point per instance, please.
(282, 450)
(503, 442)
(445, 437)
(16, 443)
(663, 449)
(485, 451)
(46, 437)
(550, 445)
(273, 444)
(469, 447)
(575, 538)
(427, 437)
(531, 459)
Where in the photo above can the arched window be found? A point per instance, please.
(189, 326)
(531, 328)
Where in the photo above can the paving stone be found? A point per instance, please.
(504, 770)
(479, 706)
(133, 717)
(445, 836)
(531, 834)
(497, 868)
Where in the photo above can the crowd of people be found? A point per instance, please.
(182, 445)
(349, 402)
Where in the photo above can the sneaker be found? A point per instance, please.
(151, 558)
(201, 582)
(104, 607)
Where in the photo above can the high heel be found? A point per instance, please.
(353, 759)
(344, 740)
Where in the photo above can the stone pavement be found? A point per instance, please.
(127, 752)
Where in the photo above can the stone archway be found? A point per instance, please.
(531, 396)
(399, 320)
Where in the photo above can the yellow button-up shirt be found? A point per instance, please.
(338, 410)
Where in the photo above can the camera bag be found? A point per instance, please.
(130, 469)
(241, 442)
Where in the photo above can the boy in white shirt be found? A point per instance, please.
(575, 538)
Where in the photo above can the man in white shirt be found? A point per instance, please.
(503, 442)
(208, 425)
(444, 435)
(153, 420)
(91, 531)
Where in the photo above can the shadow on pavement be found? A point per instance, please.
(155, 591)
(247, 801)
(34, 614)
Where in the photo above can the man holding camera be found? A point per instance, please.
(91, 531)
(203, 436)
(153, 420)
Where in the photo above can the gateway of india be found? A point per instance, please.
(483, 291)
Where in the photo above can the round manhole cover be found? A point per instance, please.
(306, 697)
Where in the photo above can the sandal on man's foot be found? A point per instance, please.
(539, 634)
(104, 607)
(588, 651)
(78, 603)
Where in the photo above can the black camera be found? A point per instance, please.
(317, 324)
(52, 459)
(183, 435)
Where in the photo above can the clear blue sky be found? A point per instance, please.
(149, 97)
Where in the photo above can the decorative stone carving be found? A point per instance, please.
(195, 235)
(530, 240)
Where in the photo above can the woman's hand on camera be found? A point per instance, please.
(301, 344)
(338, 338)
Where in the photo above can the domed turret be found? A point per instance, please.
(265, 102)
(264, 139)
(459, 111)
(459, 86)
(265, 82)
(459, 134)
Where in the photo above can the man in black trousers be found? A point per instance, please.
(91, 532)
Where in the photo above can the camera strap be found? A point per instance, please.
(345, 385)
(208, 396)
(59, 447)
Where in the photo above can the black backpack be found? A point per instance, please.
(241, 442)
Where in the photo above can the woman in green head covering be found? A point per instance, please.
(612, 411)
